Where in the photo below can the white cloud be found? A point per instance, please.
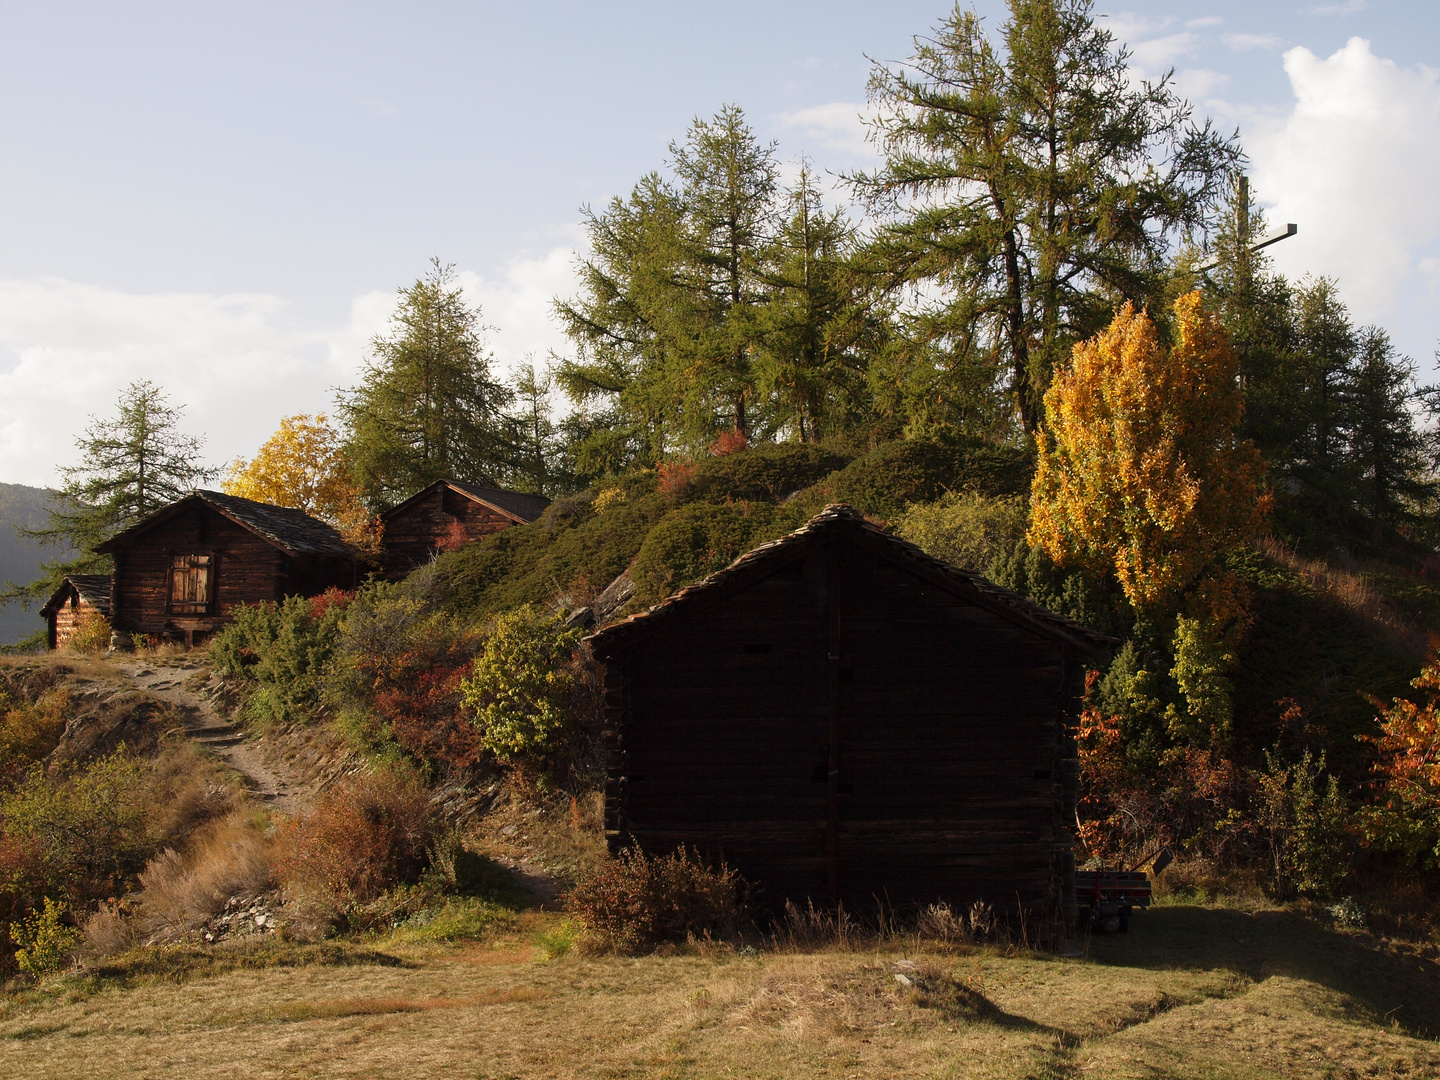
(515, 303)
(1245, 42)
(236, 362)
(1156, 54)
(1353, 164)
(837, 127)
(1196, 83)
(231, 360)
(1203, 22)
(1349, 7)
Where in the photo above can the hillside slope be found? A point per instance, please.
(21, 507)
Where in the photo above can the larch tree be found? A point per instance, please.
(538, 463)
(816, 330)
(131, 464)
(667, 321)
(1387, 450)
(426, 408)
(1139, 471)
(1030, 187)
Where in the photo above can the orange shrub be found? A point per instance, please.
(729, 442)
(634, 902)
(365, 835)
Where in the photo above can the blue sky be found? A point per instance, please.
(225, 197)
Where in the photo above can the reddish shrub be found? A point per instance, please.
(333, 597)
(365, 835)
(729, 442)
(676, 476)
(634, 902)
(1197, 801)
(423, 713)
(454, 539)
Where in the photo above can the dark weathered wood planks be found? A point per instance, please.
(847, 730)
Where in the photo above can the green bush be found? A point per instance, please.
(888, 479)
(44, 942)
(966, 529)
(769, 472)
(693, 541)
(575, 554)
(78, 835)
(633, 902)
(1306, 821)
(284, 647)
(520, 691)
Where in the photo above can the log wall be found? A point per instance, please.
(247, 569)
(415, 533)
(843, 730)
(69, 618)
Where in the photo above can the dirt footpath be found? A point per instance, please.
(269, 781)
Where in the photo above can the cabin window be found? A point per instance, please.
(191, 586)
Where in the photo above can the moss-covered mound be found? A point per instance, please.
(704, 518)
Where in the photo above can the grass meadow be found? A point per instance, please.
(1191, 992)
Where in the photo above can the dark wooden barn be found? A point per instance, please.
(80, 599)
(448, 515)
(843, 717)
(180, 572)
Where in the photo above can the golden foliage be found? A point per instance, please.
(1139, 469)
(303, 466)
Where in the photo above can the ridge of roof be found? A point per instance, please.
(94, 589)
(842, 513)
(290, 530)
(521, 507)
(520, 503)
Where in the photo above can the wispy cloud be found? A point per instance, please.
(1204, 22)
(1245, 42)
(1162, 52)
(837, 127)
(1349, 7)
(1197, 83)
(236, 362)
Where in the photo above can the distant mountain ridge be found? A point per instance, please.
(25, 508)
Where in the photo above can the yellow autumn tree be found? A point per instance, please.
(1140, 471)
(303, 466)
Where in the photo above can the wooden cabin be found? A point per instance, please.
(79, 601)
(842, 717)
(180, 572)
(448, 515)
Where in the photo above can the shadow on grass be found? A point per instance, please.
(181, 963)
(1385, 983)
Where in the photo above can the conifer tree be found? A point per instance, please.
(1031, 187)
(131, 464)
(665, 323)
(538, 463)
(1387, 449)
(426, 408)
(815, 330)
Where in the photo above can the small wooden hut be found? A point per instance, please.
(448, 515)
(844, 718)
(180, 572)
(80, 600)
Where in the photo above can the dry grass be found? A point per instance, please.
(1190, 992)
(1350, 589)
